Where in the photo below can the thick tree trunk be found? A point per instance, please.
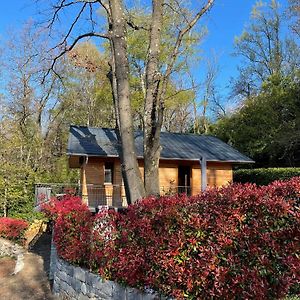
(156, 87)
(152, 119)
(132, 177)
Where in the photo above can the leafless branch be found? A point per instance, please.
(67, 49)
(63, 42)
(191, 88)
(132, 25)
(91, 17)
(182, 33)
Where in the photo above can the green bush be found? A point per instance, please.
(28, 216)
(264, 176)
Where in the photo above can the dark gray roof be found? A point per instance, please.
(103, 142)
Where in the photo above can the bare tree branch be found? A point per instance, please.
(67, 49)
(182, 33)
(63, 42)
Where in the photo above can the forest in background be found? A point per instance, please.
(263, 120)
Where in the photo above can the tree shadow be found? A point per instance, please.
(42, 247)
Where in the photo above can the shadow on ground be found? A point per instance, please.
(42, 248)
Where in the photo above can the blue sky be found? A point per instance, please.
(225, 21)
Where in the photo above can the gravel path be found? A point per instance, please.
(31, 283)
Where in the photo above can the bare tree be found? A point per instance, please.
(263, 50)
(294, 13)
(25, 59)
(205, 95)
(156, 80)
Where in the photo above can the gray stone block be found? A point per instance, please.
(55, 288)
(65, 287)
(69, 270)
(119, 292)
(91, 295)
(64, 276)
(83, 297)
(56, 282)
(79, 274)
(71, 291)
(83, 288)
(153, 296)
(88, 286)
(133, 294)
(76, 284)
(105, 286)
(90, 278)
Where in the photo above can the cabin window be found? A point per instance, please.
(108, 173)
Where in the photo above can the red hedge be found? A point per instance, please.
(13, 229)
(239, 241)
(73, 223)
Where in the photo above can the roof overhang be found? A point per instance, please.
(161, 158)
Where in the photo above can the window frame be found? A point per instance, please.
(109, 166)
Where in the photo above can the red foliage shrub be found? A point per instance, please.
(239, 241)
(104, 243)
(13, 229)
(72, 227)
(55, 207)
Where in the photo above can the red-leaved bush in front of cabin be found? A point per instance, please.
(13, 229)
(236, 242)
(72, 227)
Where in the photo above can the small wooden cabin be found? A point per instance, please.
(95, 152)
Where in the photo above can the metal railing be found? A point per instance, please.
(174, 190)
(110, 195)
(45, 191)
(96, 195)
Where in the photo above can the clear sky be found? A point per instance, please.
(225, 21)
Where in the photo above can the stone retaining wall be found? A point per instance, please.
(9, 248)
(72, 282)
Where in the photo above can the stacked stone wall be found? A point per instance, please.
(71, 282)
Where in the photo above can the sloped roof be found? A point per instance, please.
(103, 142)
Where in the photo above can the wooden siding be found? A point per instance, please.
(218, 174)
(92, 172)
(168, 174)
(196, 180)
(118, 192)
(74, 162)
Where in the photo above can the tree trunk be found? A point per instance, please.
(132, 177)
(153, 114)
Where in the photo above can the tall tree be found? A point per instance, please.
(156, 81)
(267, 126)
(293, 12)
(85, 97)
(263, 49)
(25, 59)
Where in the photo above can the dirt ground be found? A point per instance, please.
(7, 266)
(31, 283)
